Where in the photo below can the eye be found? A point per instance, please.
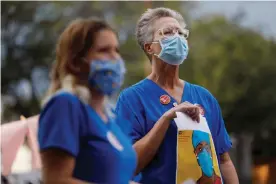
(168, 31)
(104, 49)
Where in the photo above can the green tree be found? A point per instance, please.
(29, 33)
(238, 66)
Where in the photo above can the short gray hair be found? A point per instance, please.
(144, 28)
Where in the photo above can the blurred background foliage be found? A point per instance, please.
(235, 63)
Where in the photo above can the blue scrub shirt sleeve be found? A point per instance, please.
(127, 120)
(222, 138)
(59, 124)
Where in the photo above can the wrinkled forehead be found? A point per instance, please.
(165, 22)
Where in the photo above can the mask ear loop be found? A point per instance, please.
(160, 42)
(155, 42)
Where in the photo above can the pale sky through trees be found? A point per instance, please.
(259, 15)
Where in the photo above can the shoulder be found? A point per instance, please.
(63, 111)
(132, 92)
(202, 92)
(129, 96)
(200, 89)
(62, 102)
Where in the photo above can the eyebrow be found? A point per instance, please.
(107, 46)
(171, 26)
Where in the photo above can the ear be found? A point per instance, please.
(148, 48)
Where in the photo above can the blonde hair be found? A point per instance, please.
(70, 72)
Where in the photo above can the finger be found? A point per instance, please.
(188, 103)
(192, 110)
(197, 115)
(194, 113)
(190, 113)
(194, 117)
(187, 109)
(180, 108)
(197, 111)
(174, 104)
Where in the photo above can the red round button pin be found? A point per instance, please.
(165, 99)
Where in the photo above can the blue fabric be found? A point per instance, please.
(107, 76)
(204, 157)
(139, 106)
(70, 125)
(205, 162)
(199, 136)
(174, 49)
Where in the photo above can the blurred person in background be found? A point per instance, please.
(78, 137)
(151, 105)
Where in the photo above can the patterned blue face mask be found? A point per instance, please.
(174, 49)
(205, 162)
(107, 76)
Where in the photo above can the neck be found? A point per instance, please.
(97, 101)
(164, 74)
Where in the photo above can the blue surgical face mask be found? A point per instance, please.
(174, 49)
(205, 162)
(107, 76)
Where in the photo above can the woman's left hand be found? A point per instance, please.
(190, 109)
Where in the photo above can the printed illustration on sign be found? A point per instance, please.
(196, 157)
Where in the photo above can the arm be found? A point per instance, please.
(147, 146)
(223, 145)
(58, 167)
(59, 132)
(228, 170)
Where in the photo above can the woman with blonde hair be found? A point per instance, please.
(78, 137)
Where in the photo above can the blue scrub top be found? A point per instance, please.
(140, 107)
(103, 153)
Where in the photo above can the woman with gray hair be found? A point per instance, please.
(150, 106)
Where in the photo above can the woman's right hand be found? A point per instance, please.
(191, 110)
